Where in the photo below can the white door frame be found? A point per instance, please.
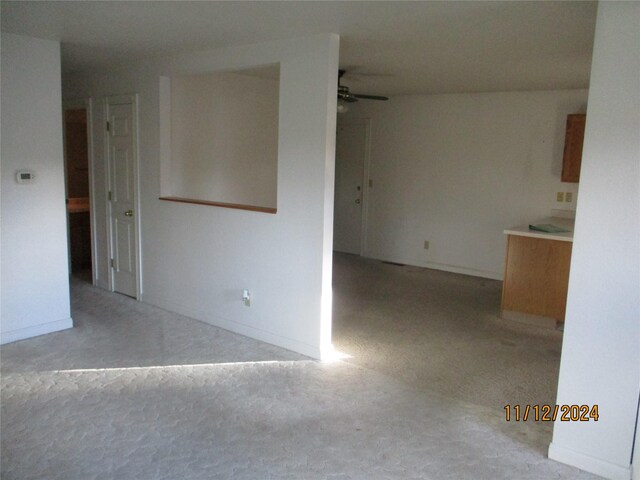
(123, 100)
(366, 122)
(87, 104)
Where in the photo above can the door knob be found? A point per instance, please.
(129, 213)
(358, 201)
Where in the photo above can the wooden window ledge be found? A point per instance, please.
(238, 206)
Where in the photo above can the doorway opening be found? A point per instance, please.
(351, 187)
(77, 151)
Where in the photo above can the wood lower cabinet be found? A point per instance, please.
(536, 276)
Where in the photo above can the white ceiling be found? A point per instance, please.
(414, 47)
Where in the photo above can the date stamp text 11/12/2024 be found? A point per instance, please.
(551, 413)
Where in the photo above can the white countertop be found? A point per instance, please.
(566, 223)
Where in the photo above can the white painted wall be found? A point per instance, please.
(197, 259)
(635, 461)
(601, 348)
(224, 139)
(35, 281)
(458, 169)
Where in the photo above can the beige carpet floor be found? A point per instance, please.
(135, 392)
(441, 332)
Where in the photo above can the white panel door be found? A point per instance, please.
(122, 149)
(351, 144)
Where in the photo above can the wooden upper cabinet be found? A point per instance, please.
(573, 147)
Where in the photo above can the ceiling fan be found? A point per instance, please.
(345, 96)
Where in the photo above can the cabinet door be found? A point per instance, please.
(573, 148)
(536, 276)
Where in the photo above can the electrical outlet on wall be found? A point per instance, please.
(426, 244)
(568, 197)
(560, 197)
(246, 298)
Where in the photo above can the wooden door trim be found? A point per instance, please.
(109, 101)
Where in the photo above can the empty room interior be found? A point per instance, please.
(320, 240)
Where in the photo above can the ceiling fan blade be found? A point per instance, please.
(346, 96)
(369, 97)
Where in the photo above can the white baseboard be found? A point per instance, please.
(235, 327)
(436, 266)
(465, 271)
(35, 331)
(588, 463)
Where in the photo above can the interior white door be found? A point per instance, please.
(349, 185)
(122, 149)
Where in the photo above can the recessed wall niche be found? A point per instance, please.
(219, 138)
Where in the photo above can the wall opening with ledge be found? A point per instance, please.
(220, 138)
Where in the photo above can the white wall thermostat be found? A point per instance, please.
(25, 176)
